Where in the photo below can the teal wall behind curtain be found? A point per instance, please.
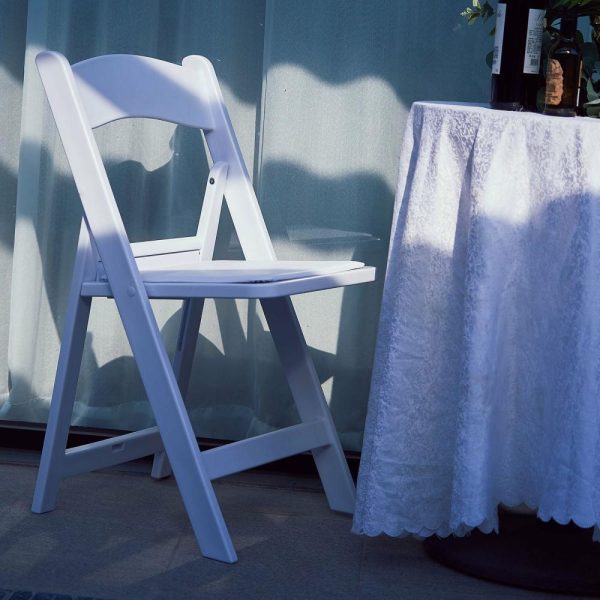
(318, 92)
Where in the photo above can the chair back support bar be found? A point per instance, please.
(120, 86)
(101, 212)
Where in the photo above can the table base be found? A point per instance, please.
(527, 553)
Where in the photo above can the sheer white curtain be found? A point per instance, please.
(318, 93)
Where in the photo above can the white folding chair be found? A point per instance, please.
(103, 89)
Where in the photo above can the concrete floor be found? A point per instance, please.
(118, 534)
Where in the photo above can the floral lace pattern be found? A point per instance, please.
(486, 384)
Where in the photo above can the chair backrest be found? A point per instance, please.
(97, 91)
(119, 86)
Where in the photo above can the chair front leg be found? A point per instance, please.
(173, 422)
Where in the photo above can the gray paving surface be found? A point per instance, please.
(119, 534)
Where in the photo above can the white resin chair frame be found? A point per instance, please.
(95, 92)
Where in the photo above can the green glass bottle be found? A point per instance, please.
(563, 74)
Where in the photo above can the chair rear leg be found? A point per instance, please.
(310, 401)
(61, 407)
(182, 366)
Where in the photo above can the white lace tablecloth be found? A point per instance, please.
(486, 385)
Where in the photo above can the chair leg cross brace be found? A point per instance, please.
(113, 451)
(219, 462)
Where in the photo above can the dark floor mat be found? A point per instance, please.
(29, 595)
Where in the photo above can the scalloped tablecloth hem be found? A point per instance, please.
(464, 528)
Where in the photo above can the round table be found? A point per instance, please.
(486, 381)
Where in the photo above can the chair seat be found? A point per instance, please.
(244, 271)
(242, 279)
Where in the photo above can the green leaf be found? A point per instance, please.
(478, 11)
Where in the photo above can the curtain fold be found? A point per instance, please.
(318, 93)
(13, 27)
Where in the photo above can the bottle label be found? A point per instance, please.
(554, 83)
(533, 47)
(499, 39)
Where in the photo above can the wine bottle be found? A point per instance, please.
(517, 53)
(563, 74)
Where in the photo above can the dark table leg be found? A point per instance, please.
(527, 553)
